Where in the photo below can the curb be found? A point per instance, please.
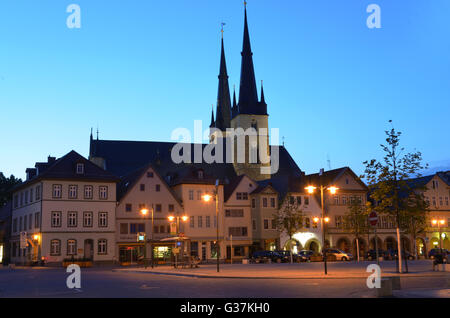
(257, 277)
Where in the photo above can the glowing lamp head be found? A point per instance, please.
(316, 219)
(310, 189)
(144, 211)
(207, 197)
(333, 190)
(326, 219)
(442, 222)
(434, 222)
(171, 218)
(35, 237)
(184, 218)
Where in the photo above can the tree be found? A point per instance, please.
(413, 220)
(387, 180)
(355, 221)
(6, 184)
(289, 219)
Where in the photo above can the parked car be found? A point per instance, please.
(339, 254)
(287, 256)
(372, 254)
(305, 255)
(393, 254)
(264, 256)
(432, 253)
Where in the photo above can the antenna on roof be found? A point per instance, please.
(283, 140)
(328, 161)
(97, 131)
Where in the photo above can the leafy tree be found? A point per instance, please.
(6, 184)
(289, 219)
(387, 180)
(355, 221)
(413, 219)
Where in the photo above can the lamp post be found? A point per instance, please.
(171, 218)
(144, 212)
(207, 198)
(439, 223)
(324, 219)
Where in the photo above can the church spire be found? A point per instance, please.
(248, 96)
(223, 110)
(262, 94)
(234, 110)
(213, 124)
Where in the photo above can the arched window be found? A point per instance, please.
(55, 247)
(71, 247)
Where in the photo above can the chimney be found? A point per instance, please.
(31, 173)
(51, 160)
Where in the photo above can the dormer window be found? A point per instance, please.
(200, 174)
(80, 168)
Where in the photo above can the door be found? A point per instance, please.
(88, 249)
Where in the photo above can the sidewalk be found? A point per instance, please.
(283, 271)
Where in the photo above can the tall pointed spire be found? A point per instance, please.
(223, 110)
(213, 124)
(262, 94)
(234, 109)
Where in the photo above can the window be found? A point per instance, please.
(266, 224)
(306, 200)
(344, 200)
(38, 192)
(87, 219)
(238, 195)
(26, 197)
(336, 200)
(72, 219)
(80, 168)
(21, 198)
(156, 229)
(103, 219)
(137, 227)
(123, 228)
(265, 202)
(254, 224)
(291, 200)
(20, 224)
(16, 201)
(191, 194)
(162, 229)
(88, 190)
(208, 221)
(239, 251)
(441, 202)
(435, 184)
(192, 222)
(31, 195)
(272, 202)
(149, 174)
(57, 190)
(200, 174)
(237, 231)
(158, 207)
(446, 200)
(253, 203)
(36, 220)
(56, 219)
(234, 213)
(103, 192)
(200, 221)
(71, 247)
(434, 201)
(73, 189)
(30, 221)
(55, 247)
(15, 225)
(142, 187)
(158, 188)
(274, 224)
(25, 222)
(102, 247)
(128, 207)
(171, 208)
(338, 221)
(307, 223)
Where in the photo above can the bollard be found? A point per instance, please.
(385, 289)
(395, 282)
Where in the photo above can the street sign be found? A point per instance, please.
(140, 237)
(23, 240)
(373, 218)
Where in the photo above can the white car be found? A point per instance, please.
(339, 254)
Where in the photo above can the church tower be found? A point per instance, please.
(250, 112)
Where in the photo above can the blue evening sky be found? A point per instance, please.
(139, 69)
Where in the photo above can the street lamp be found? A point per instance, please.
(324, 219)
(171, 218)
(144, 212)
(439, 224)
(207, 198)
